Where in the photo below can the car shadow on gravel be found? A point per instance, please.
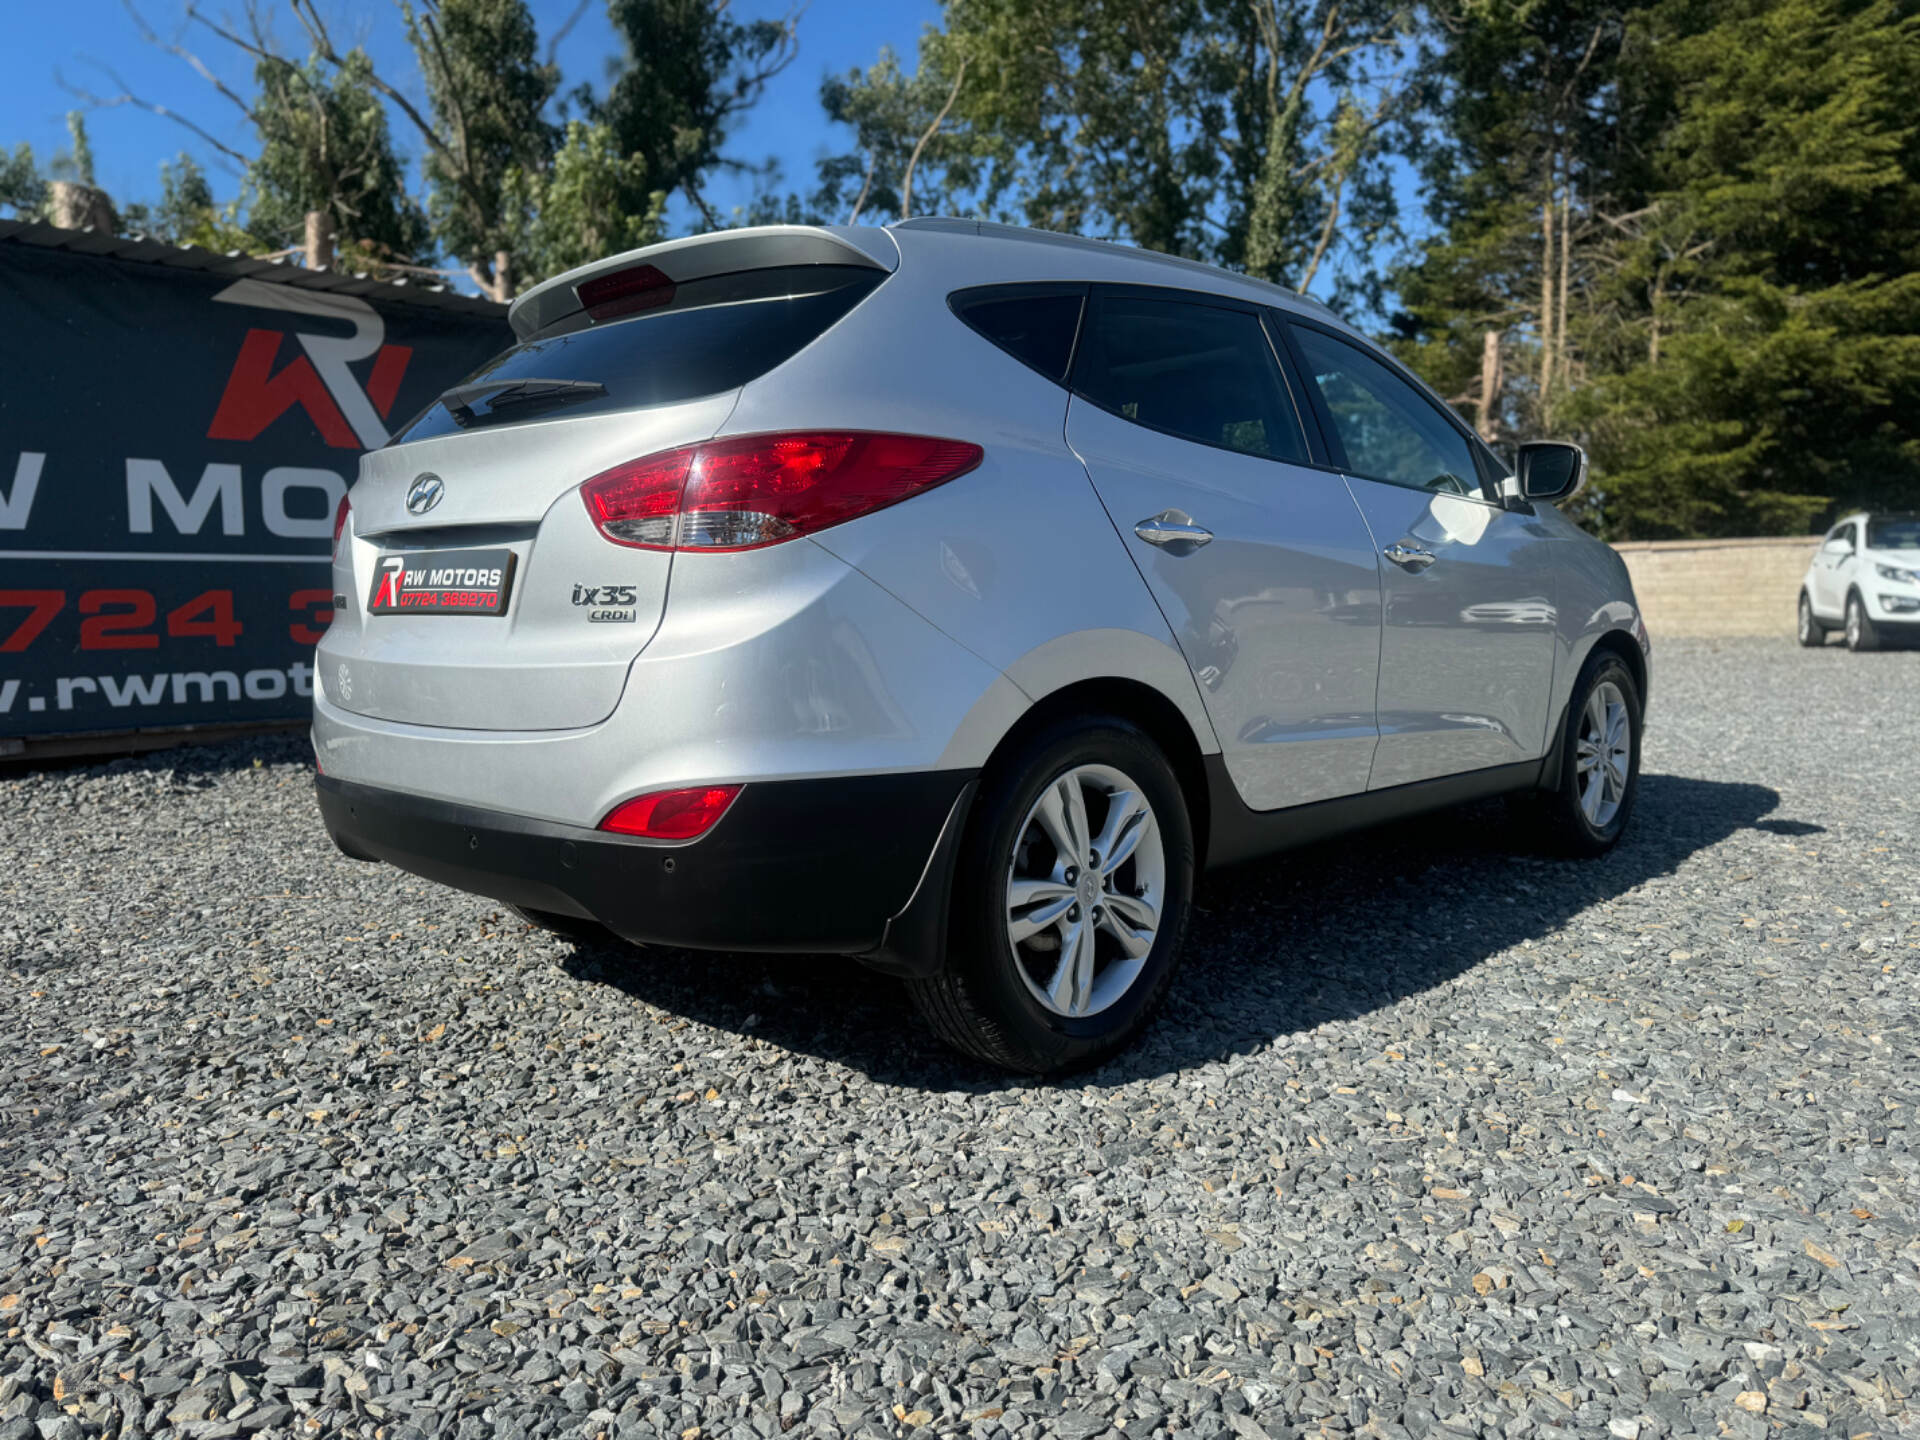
(1277, 946)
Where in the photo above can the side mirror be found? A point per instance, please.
(1551, 470)
(1838, 545)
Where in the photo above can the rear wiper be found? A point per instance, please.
(502, 395)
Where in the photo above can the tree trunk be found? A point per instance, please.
(1563, 366)
(502, 276)
(319, 240)
(1546, 300)
(1492, 382)
(81, 207)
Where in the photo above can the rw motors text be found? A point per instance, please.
(178, 687)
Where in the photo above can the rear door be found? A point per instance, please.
(483, 488)
(1260, 562)
(1466, 660)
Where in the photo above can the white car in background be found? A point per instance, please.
(1864, 580)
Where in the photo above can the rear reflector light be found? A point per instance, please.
(625, 292)
(754, 490)
(340, 524)
(671, 814)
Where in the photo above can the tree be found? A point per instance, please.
(1531, 139)
(1687, 233)
(487, 93)
(688, 73)
(908, 157)
(1312, 111)
(580, 207)
(1760, 337)
(325, 146)
(186, 213)
(23, 189)
(493, 162)
(1249, 132)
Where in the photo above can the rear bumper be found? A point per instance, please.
(796, 865)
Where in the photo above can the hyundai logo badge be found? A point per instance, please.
(424, 494)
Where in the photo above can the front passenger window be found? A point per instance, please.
(1201, 372)
(1389, 430)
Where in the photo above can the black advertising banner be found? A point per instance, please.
(173, 446)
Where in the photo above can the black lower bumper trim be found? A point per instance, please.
(795, 865)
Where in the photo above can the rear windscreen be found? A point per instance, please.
(716, 335)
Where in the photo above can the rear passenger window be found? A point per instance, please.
(1034, 324)
(1198, 371)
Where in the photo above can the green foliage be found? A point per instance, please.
(23, 189)
(580, 208)
(1248, 132)
(186, 213)
(76, 163)
(1762, 346)
(1695, 227)
(688, 72)
(487, 92)
(325, 145)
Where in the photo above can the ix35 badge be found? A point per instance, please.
(607, 604)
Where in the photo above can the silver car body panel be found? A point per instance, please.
(916, 637)
(774, 664)
(541, 666)
(1466, 656)
(1278, 615)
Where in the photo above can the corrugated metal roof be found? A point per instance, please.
(137, 248)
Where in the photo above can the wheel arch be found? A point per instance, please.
(1620, 643)
(1617, 641)
(914, 945)
(1140, 704)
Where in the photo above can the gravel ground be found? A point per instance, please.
(1431, 1140)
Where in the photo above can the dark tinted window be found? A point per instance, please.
(1896, 532)
(718, 334)
(1034, 325)
(1192, 370)
(1389, 429)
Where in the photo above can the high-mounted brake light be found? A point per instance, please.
(671, 814)
(340, 524)
(754, 490)
(625, 292)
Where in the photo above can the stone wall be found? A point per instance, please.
(1718, 587)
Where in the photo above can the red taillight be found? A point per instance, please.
(340, 523)
(754, 490)
(625, 292)
(671, 814)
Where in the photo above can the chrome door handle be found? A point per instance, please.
(1174, 532)
(1408, 557)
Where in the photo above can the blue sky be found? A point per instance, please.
(72, 39)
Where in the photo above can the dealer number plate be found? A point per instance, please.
(443, 582)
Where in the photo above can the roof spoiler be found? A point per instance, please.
(723, 252)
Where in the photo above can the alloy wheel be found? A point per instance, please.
(1086, 890)
(1603, 754)
(1853, 624)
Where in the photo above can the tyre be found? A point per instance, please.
(567, 927)
(1860, 632)
(1586, 814)
(1812, 633)
(1070, 902)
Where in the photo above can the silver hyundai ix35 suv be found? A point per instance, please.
(947, 595)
